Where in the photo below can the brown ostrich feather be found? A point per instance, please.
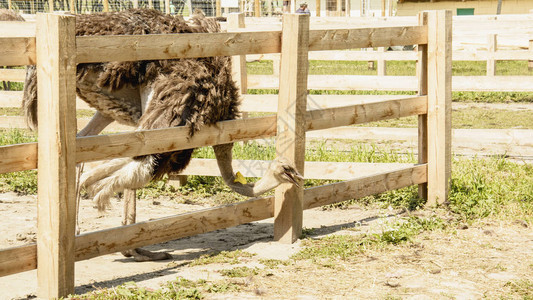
(191, 92)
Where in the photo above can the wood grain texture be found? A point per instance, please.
(365, 113)
(56, 222)
(313, 169)
(17, 51)
(399, 83)
(168, 46)
(238, 62)
(18, 259)
(291, 124)
(439, 105)
(362, 187)
(17, 75)
(422, 74)
(366, 37)
(492, 45)
(171, 139)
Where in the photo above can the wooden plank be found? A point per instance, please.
(291, 124)
(140, 234)
(20, 122)
(56, 222)
(167, 46)
(400, 83)
(10, 99)
(492, 45)
(362, 187)
(238, 62)
(17, 29)
(342, 82)
(422, 74)
(147, 47)
(366, 37)
(313, 169)
(439, 105)
(268, 103)
(134, 143)
(382, 63)
(365, 113)
(257, 8)
(18, 157)
(18, 259)
(17, 75)
(17, 51)
(14, 99)
(171, 139)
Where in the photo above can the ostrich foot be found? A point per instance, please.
(140, 255)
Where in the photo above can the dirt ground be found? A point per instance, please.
(470, 263)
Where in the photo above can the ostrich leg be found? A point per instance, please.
(129, 216)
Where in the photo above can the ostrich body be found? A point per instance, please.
(155, 94)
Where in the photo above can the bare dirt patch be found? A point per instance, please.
(470, 262)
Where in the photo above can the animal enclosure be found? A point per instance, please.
(56, 50)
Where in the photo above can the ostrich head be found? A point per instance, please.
(280, 171)
(283, 171)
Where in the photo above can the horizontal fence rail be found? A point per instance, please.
(155, 46)
(24, 156)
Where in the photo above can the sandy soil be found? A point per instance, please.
(471, 263)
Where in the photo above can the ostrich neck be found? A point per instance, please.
(224, 159)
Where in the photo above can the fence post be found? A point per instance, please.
(257, 8)
(56, 72)
(275, 65)
(238, 62)
(439, 105)
(106, 5)
(530, 62)
(382, 63)
(422, 74)
(347, 7)
(290, 139)
(492, 45)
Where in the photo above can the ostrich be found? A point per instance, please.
(155, 94)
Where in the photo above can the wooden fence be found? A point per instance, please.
(56, 50)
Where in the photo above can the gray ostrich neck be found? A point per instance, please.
(224, 159)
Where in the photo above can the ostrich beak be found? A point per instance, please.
(293, 175)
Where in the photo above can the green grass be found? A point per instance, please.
(226, 257)
(177, 289)
(521, 288)
(347, 247)
(239, 272)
